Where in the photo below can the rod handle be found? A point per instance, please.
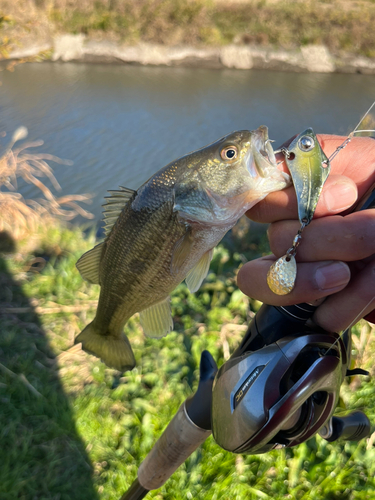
(174, 446)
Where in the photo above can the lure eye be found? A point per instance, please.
(229, 153)
(306, 143)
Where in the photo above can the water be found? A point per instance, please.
(119, 124)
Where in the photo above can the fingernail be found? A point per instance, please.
(332, 275)
(340, 196)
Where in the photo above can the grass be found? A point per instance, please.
(339, 24)
(84, 429)
(23, 217)
(285, 24)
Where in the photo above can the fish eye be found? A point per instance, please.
(306, 143)
(229, 153)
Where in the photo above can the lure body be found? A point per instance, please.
(309, 168)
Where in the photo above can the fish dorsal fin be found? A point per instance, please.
(114, 205)
(88, 264)
(181, 251)
(196, 275)
(157, 320)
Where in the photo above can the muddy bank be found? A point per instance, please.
(310, 58)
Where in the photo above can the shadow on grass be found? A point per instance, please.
(41, 453)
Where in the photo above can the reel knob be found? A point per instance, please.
(352, 427)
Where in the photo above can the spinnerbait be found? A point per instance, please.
(309, 168)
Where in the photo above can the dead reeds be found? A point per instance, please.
(22, 217)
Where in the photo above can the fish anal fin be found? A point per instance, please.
(156, 320)
(88, 264)
(197, 274)
(116, 201)
(181, 251)
(115, 352)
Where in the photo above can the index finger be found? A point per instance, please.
(352, 169)
(339, 193)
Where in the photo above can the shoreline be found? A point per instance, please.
(307, 59)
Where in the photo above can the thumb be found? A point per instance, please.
(339, 193)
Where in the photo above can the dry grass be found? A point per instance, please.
(339, 24)
(22, 23)
(22, 217)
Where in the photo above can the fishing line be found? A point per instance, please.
(358, 317)
(342, 146)
(285, 150)
(367, 112)
(350, 136)
(358, 131)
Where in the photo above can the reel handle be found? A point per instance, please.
(352, 427)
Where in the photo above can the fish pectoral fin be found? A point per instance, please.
(88, 264)
(181, 251)
(196, 275)
(156, 320)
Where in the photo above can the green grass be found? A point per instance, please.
(87, 433)
(339, 25)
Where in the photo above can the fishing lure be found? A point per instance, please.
(309, 168)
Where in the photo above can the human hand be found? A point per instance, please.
(337, 254)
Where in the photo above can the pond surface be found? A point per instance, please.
(119, 124)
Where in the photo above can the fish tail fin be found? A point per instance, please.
(115, 352)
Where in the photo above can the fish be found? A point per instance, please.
(165, 232)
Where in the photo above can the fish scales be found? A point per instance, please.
(132, 270)
(166, 232)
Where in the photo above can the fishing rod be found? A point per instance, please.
(279, 388)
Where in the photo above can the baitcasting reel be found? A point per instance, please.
(278, 389)
(281, 386)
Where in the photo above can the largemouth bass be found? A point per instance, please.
(166, 231)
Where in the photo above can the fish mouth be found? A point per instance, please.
(262, 161)
(262, 150)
